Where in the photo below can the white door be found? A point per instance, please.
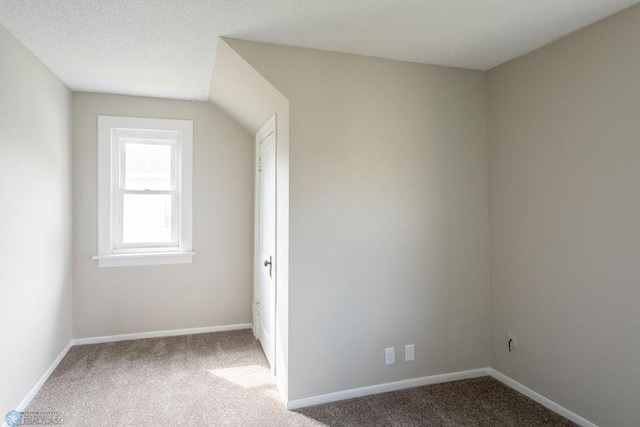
(266, 301)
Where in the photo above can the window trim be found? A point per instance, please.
(111, 252)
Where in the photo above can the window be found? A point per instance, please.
(144, 191)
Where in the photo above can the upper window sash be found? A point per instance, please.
(122, 137)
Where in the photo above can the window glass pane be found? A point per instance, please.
(146, 218)
(147, 166)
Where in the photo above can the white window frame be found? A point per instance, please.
(113, 132)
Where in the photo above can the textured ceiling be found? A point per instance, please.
(166, 48)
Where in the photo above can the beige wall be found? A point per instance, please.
(213, 290)
(35, 220)
(239, 90)
(242, 92)
(388, 216)
(564, 134)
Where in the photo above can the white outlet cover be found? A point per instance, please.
(409, 352)
(389, 356)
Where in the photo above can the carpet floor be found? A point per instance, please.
(223, 379)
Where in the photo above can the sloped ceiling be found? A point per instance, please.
(167, 48)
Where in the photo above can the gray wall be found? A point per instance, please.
(239, 90)
(564, 133)
(35, 220)
(216, 288)
(388, 216)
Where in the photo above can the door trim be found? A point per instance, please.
(267, 129)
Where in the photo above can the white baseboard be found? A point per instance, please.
(112, 338)
(435, 379)
(36, 388)
(386, 387)
(325, 398)
(550, 404)
(159, 334)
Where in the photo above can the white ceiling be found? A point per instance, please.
(166, 48)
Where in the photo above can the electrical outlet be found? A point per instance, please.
(409, 352)
(389, 356)
(512, 341)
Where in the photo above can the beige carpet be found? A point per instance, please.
(222, 379)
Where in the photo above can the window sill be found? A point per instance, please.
(128, 260)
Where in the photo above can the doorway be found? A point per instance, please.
(265, 241)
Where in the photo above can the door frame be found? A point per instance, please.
(268, 128)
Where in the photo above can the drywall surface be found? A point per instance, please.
(388, 216)
(215, 289)
(241, 92)
(564, 199)
(35, 220)
(246, 96)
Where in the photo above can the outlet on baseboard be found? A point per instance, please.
(512, 341)
(389, 356)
